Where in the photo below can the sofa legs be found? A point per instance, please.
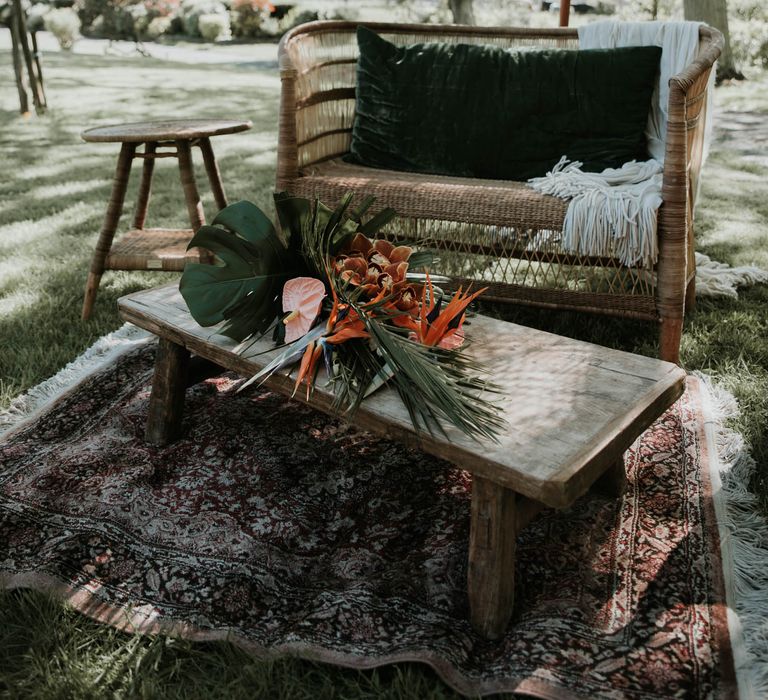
(669, 339)
(690, 295)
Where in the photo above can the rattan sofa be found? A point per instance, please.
(498, 232)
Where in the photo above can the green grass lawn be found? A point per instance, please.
(53, 190)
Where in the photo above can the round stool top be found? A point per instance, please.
(165, 130)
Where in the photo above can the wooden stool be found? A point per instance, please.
(155, 249)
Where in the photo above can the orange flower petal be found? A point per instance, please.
(383, 247)
(455, 308)
(372, 273)
(400, 254)
(385, 281)
(347, 334)
(361, 243)
(350, 277)
(357, 265)
(406, 321)
(304, 366)
(397, 271)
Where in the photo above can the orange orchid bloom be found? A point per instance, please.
(373, 266)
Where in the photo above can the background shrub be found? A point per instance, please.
(158, 26)
(748, 24)
(249, 16)
(192, 10)
(64, 24)
(214, 27)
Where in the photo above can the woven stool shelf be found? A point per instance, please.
(154, 249)
(158, 249)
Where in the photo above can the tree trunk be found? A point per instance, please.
(715, 14)
(462, 11)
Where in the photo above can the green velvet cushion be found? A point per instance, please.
(483, 111)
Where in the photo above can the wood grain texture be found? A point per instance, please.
(166, 403)
(165, 130)
(188, 183)
(571, 408)
(145, 186)
(491, 569)
(214, 176)
(108, 228)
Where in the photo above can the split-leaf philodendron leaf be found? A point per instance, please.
(243, 287)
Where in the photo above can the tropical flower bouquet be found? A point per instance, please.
(333, 296)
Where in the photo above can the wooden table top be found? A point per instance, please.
(572, 408)
(165, 130)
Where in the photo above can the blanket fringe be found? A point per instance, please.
(744, 540)
(612, 212)
(717, 279)
(101, 354)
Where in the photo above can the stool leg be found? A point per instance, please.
(145, 187)
(214, 176)
(111, 219)
(187, 172)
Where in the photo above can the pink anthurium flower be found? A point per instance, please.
(303, 297)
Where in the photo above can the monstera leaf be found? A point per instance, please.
(243, 286)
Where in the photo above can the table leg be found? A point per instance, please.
(111, 219)
(191, 195)
(166, 403)
(145, 187)
(613, 481)
(214, 176)
(491, 573)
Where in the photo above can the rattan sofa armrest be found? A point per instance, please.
(710, 52)
(682, 163)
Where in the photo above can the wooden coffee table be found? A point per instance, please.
(572, 409)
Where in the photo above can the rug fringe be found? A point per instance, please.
(102, 353)
(744, 540)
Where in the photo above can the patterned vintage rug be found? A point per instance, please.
(286, 532)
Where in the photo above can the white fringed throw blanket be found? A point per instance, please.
(614, 212)
(716, 279)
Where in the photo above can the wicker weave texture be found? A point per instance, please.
(153, 249)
